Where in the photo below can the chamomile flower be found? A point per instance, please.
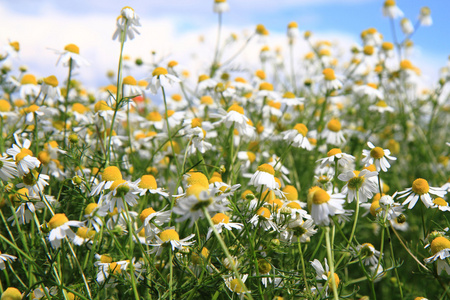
(391, 10)
(407, 26)
(221, 6)
(151, 220)
(377, 156)
(94, 213)
(234, 116)
(109, 175)
(298, 229)
(83, 235)
(440, 248)
(220, 221)
(370, 90)
(171, 237)
(71, 55)
(292, 31)
(359, 182)
(368, 254)
(147, 183)
(131, 87)
(59, 226)
(323, 205)
(322, 274)
(161, 78)
(336, 155)
(387, 207)
(50, 88)
(333, 133)
(263, 218)
(118, 268)
(34, 182)
(28, 86)
(441, 204)
(264, 178)
(420, 190)
(127, 21)
(23, 156)
(297, 136)
(381, 107)
(330, 80)
(6, 258)
(120, 191)
(425, 16)
(235, 286)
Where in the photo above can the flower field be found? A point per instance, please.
(320, 176)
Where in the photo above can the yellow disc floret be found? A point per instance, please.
(111, 173)
(439, 243)
(148, 182)
(220, 218)
(57, 220)
(301, 128)
(328, 74)
(145, 213)
(159, 71)
(72, 48)
(420, 186)
(377, 152)
(169, 235)
(320, 196)
(334, 125)
(266, 168)
(51, 80)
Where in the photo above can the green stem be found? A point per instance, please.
(303, 263)
(66, 102)
(331, 262)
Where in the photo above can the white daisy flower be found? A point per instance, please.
(29, 86)
(440, 247)
(151, 220)
(221, 6)
(25, 161)
(170, 236)
(322, 274)
(121, 190)
(425, 16)
(298, 228)
(6, 258)
(333, 133)
(330, 81)
(292, 30)
(407, 26)
(59, 226)
(263, 218)
(368, 254)
(441, 204)
(220, 221)
(234, 285)
(370, 90)
(127, 21)
(118, 268)
(420, 190)
(335, 155)
(34, 182)
(323, 205)
(377, 156)
(234, 116)
(147, 183)
(297, 136)
(359, 181)
(50, 89)
(391, 10)
(71, 53)
(161, 78)
(108, 176)
(381, 107)
(387, 206)
(264, 178)
(131, 88)
(83, 235)
(93, 214)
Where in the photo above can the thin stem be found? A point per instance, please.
(331, 262)
(66, 102)
(303, 263)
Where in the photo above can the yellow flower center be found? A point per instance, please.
(334, 125)
(336, 279)
(195, 190)
(294, 205)
(251, 156)
(198, 178)
(274, 104)
(154, 116)
(289, 95)
(207, 100)
(329, 75)
(23, 153)
(115, 268)
(220, 218)
(368, 50)
(266, 168)
(366, 249)
(420, 186)
(439, 201)
(381, 103)
(387, 46)
(129, 80)
(57, 220)
(111, 173)
(264, 266)
(377, 152)
(439, 243)
(44, 157)
(263, 212)
(389, 3)
(375, 207)
(101, 106)
(85, 233)
(237, 108)
(424, 11)
(16, 45)
(260, 74)
(265, 86)
(293, 24)
(148, 182)
(11, 293)
(72, 48)
(235, 286)
(51, 80)
(320, 196)
(28, 79)
(4, 106)
(334, 151)
(121, 187)
(301, 128)
(145, 213)
(159, 71)
(406, 64)
(90, 208)
(356, 182)
(79, 108)
(202, 77)
(177, 97)
(169, 235)
(172, 64)
(291, 192)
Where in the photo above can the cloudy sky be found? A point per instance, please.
(172, 29)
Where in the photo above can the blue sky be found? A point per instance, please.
(53, 23)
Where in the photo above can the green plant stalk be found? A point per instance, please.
(331, 262)
(395, 267)
(86, 285)
(131, 244)
(171, 273)
(66, 102)
(303, 263)
(227, 253)
(168, 130)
